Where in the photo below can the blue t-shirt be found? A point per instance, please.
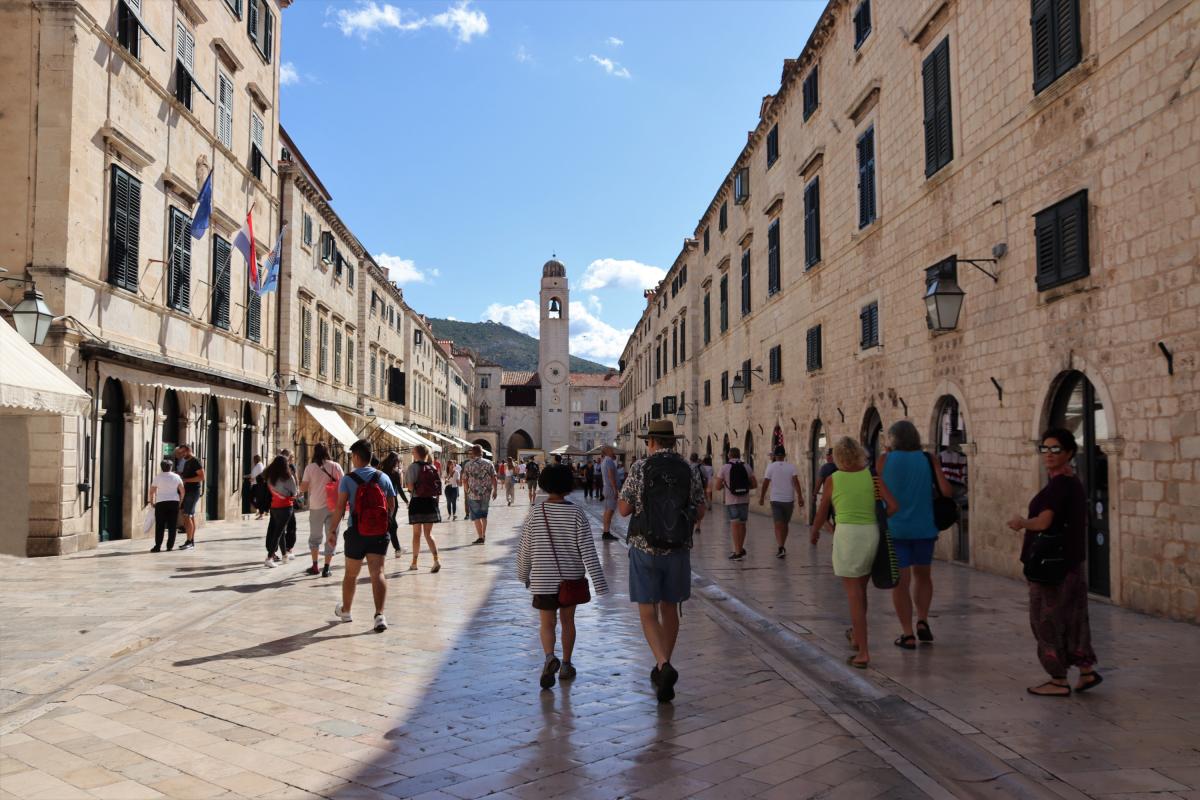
(348, 485)
(907, 476)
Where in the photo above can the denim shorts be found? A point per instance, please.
(190, 498)
(738, 512)
(914, 552)
(660, 579)
(477, 509)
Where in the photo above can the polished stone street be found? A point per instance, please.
(203, 674)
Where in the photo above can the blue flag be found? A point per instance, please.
(270, 267)
(203, 209)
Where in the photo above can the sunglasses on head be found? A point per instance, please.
(1051, 448)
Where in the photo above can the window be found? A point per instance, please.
(235, 6)
(383, 377)
(129, 33)
(306, 339)
(253, 314)
(185, 64)
(396, 386)
(337, 356)
(256, 145)
(723, 222)
(869, 323)
(741, 185)
(812, 223)
(307, 238)
(224, 109)
(124, 229)
(349, 275)
(1062, 242)
(706, 240)
(221, 262)
(669, 405)
(658, 360)
(773, 263)
(683, 340)
(349, 360)
(708, 393)
(746, 376)
(485, 381)
(773, 146)
(323, 347)
(179, 262)
(811, 99)
(935, 76)
(260, 25)
(1056, 46)
(655, 411)
(338, 263)
(812, 345)
(707, 317)
(862, 23)
(724, 386)
(374, 367)
(724, 303)
(866, 178)
(745, 282)
(775, 359)
(603, 404)
(674, 346)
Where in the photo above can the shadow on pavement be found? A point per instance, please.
(276, 647)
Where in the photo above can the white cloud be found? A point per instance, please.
(524, 56)
(369, 16)
(619, 272)
(613, 68)
(288, 74)
(521, 317)
(404, 270)
(595, 304)
(613, 41)
(590, 336)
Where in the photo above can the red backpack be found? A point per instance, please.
(429, 482)
(370, 516)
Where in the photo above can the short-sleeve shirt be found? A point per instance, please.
(780, 474)
(631, 493)
(316, 476)
(257, 470)
(827, 469)
(454, 476)
(910, 480)
(732, 499)
(189, 468)
(608, 471)
(1065, 496)
(348, 485)
(166, 487)
(478, 474)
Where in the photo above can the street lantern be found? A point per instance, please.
(738, 389)
(680, 416)
(294, 393)
(371, 412)
(943, 302)
(32, 317)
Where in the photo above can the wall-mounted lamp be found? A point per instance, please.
(738, 387)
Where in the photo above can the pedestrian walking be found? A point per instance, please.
(390, 466)
(781, 481)
(553, 554)
(910, 474)
(509, 474)
(425, 485)
(737, 481)
(585, 477)
(597, 478)
(248, 482)
(284, 490)
(453, 477)
(1054, 552)
(612, 489)
(707, 472)
(827, 469)
(166, 493)
(532, 475)
(852, 492)
(191, 470)
(287, 542)
(666, 501)
(320, 484)
(371, 499)
(480, 477)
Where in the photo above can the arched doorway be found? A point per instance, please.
(776, 439)
(171, 429)
(872, 429)
(725, 449)
(247, 455)
(949, 438)
(112, 461)
(1077, 408)
(818, 443)
(212, 460)
(520, 440)
(708, 447)
(748, 450)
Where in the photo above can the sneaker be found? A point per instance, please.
(736, 556)
(325, 571)
(654, 675)
(156, 549)
(567, 672)
(275, 558)
(344, 616)
(187, 546)
(480, 540)
(286, 556)
(667, 677)
(269, 563)
(551, 667)
(782, 553)
(608, 537)
(380, 623)
(313, 570)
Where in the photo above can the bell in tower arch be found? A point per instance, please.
(555, 310)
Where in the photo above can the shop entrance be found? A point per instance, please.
(212, 460)
(949, 439)
(112, 462)
(818, 443)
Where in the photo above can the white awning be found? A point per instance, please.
(333, 423)
(462, 442)
(30, 382)
(445, 439)
(433, 448)
(397, 432)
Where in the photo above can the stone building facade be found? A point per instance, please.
(114, 115)
(1047, 167)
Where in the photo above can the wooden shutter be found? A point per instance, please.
(254, 316)
(268, 39)
(866, 178)
(707, 317)
(1073, 240)
(683, 340)
(221, 263)
(674, 347)
(746, 375)
(305, 339)
(337, 356)
(810, 93)
(1043, 45)
(225, 110)
(935, 77)
(252, 20)
(869, 320)
(812, 223)
(322, 346)
(813, 348)
(1066, 35)
(349, 361)
(745, 282)
(124, 230)
(185, 46)
(179, 277)
(773, 259)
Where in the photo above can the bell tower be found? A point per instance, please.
(554, 360)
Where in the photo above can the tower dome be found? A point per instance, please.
(554, 269)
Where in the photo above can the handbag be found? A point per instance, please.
(1047, 561)
(885, 569)
(572, 591)
(331, 490)
(945, 509)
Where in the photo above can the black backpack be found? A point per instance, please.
(667, 516)
(739, 479)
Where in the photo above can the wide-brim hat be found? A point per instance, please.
(660, 429)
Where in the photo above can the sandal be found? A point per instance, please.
(437, 566)
(412, 567)
(906, 641)
(1095, 680)
(857, 664)
(1033, 690)
(923, 631)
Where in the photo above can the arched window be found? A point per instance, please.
(555, 309)
(483, 413)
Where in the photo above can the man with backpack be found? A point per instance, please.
(666, 500)
(737, 479)
(370, 497)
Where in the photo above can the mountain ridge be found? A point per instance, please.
(508, 347)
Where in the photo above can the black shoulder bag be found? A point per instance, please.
(945, 509)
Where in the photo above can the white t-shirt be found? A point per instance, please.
(780, 474)
(317, 476)
(455, 476)
(256, 470)
(166, 487)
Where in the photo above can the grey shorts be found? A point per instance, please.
(610, 502)
(660, 579)
(738, 512)
(477, 509)
(318, 529)
(782, 512)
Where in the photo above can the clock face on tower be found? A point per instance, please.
(555, 372)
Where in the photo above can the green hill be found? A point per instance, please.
(509, 348)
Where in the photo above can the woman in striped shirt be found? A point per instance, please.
(556, 545)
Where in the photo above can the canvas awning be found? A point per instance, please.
(332, 422)
(445, 439)
(567, 450)
(396, 432)
(433, 447)
(30, 382)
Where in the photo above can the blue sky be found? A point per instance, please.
(464, 143)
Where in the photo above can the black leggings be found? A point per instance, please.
(277, 528)
(166, 516)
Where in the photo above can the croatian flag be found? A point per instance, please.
(203, 209)
(270, 280)
(244, 242)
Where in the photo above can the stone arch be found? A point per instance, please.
(818, 443)
(871, 433)
(519, 440)
(174, 429)
(112, 462)
(554, 308)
